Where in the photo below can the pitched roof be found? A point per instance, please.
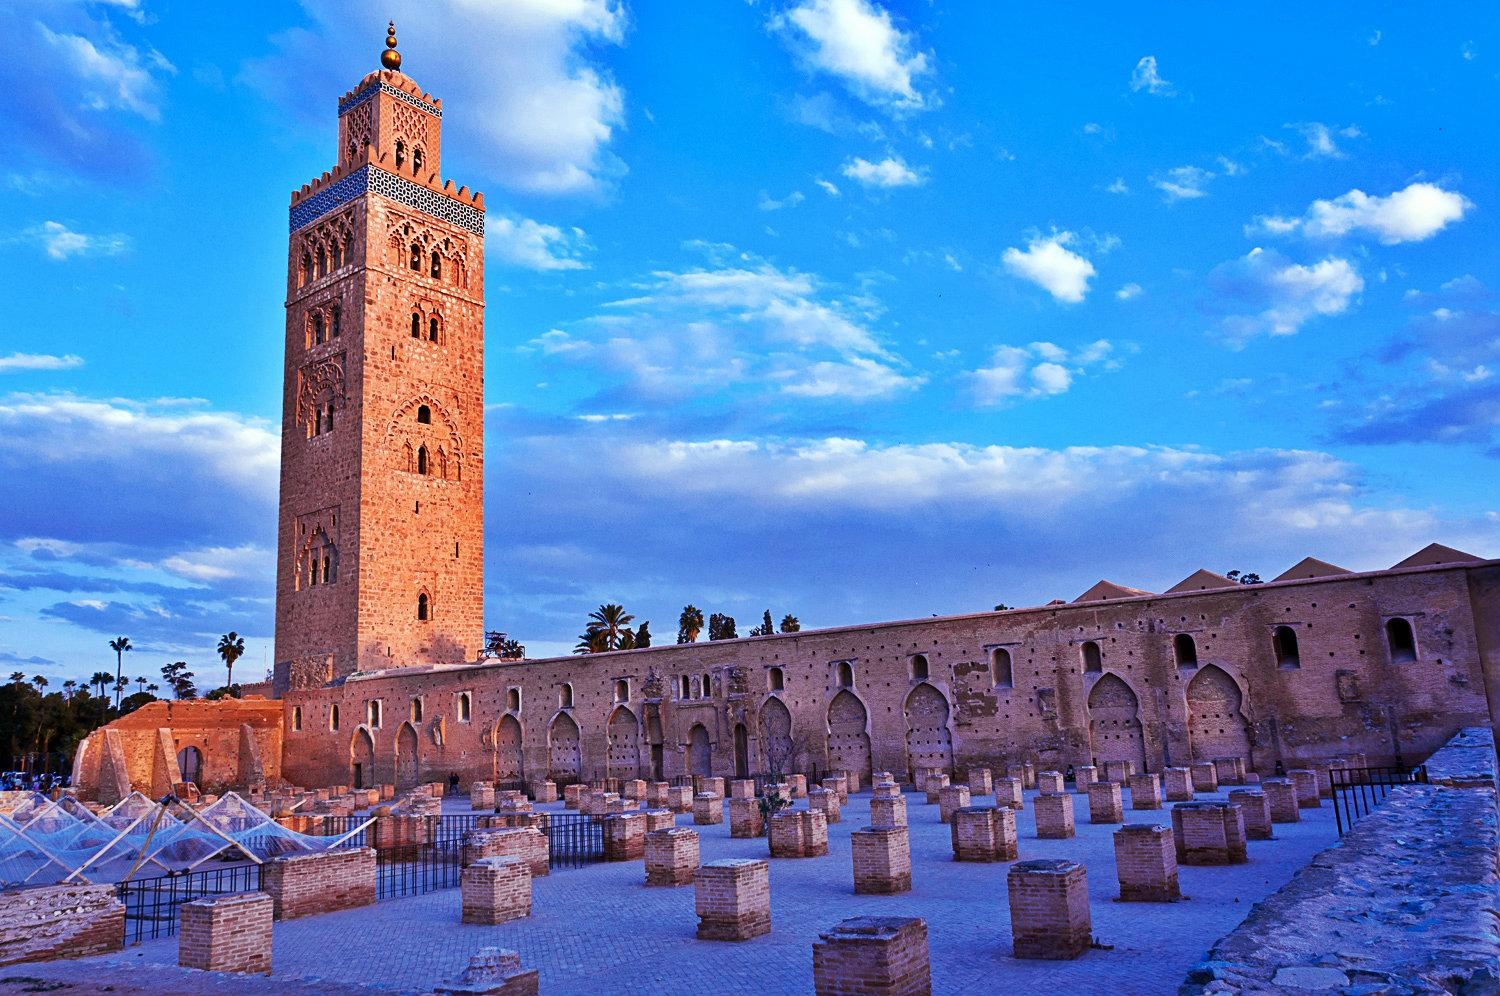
(1310, 567)
(1106, 590)
(1201, 580)
(1437, 553)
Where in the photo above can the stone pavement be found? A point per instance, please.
(599, 928)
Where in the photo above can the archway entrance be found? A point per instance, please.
(848, 740)
(362, 760)
(929, 744)
(624, 744)
(509, 760)
(562, 750)
(1216, 727)
(407, 774)
(776, 737)
(741, 751)
(700, 753)
(190, 763)
(1114, 723)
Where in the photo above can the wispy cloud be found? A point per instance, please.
(1279, 296)
(61, 243)
(535, 246)
(856, 42)
(1184, 183)
(1322, 139)
(1042, 369)
(38, 361)
(888, 173)
(1147, 77)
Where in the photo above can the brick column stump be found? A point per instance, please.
(1178, 783)
(1105, 803)
(656, 794)
(951, 798)
(1146, 864)
(935, 784)
(882, 860)
(888, 811)
(321, 882)
(679, 798)
(545, 791)
(1054, 816)
(1209, 833)
(745, 818)
(837, 784)
(495, 890)
(1009, 793)
(798, 835)
(573, 795)
(984, 833)
(226, 934)
(495, 972)
(527, 843)
(1145, 791)
(980, 781)
(1050, 782)
(481, 796)
(1257, 810)
(671, 856)
(798, 785)
(1231, 770)
(1205, 776)
(825, 801)
(1306, 782)
(624, 836)
(870, 955)
(742, 788)
(708, 809)
(1049, 909)
(733, 899)
(1117, 771)
(1083, 776)
(1281, 797)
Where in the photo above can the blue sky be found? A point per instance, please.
(849, 309)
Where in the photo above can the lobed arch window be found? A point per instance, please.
(622, 690)
(1185, 649)
(416, 257)
(437, 266)
(307, 269)
(319, 333)
(400, 153)
(1001, 668)
(465, 706)
(513, 699)
(565, 696)
(322, 562)
(416, 710)
(424, 607)
(422, 460)
(416, 325)
(432, 328)
(919, 669)
(322, 261)
(424, 415)
(416, 159)
(1401, 640)
(1284, 643)
(296, 719)
(776, 679)
(336, 321)
(846, 674)
(1093, 659)
(333, 717)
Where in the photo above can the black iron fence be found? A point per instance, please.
(152, 904)
(574, 840)
(419, 870)
(1356, 791)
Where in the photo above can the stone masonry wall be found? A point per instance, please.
(60, 921)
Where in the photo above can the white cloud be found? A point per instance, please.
(858, 378)
(38, 361)
(533, 245)
(889, 172)
(60, 242)
(1048, 263)
(113, 75)
(1128, 291)
(1283, 296)
(1093, 128)
(768, 203)
(1320, 138)
(830, 189)
(1146, 77)
(1118, 187)
(856, 42)
(1413, 214)
(1183, 183)
(1041, 369)
(222, 563)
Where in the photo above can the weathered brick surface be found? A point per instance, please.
(545, 791)
(495, 890)
(530, 845)
(226, 933)
(798, 834)
(573, 795)
(733, 899)
(493, 972)
(1054, 816)
(742, 788)
(1205, 776)
(882, 860)
(1009, 792)
(1281, 798)
(1145, 791)
(1231, 770)
(873, 956)
(798, 786)
(885, 790)
(679, 798)
(624, 836)
(634, 788)
(1050, 782)
(1117, 771)
(745, 818)
(888, 811)
(1083, 776)
(671, 856)
(308, 884)
(984, 833)
(936, 782)
(1178, 783)
(1209, 833)
(708, 809)
(1105, 803)
(951, 798)
(660, 819)
(1306, 782)
(1146, 864)
(837, 784)
(656, 794)
(60, 921)
(1257, 812)
(981, 782)
(825, 801)
(1049, 909)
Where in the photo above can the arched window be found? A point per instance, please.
(513, 699)
(307, 269)
(565, 696)
(776, 678)
(416, 325)
(422, 460)
(424, 414)
(317, 327)
(400, 153)
(465, 709)
(1284, 642)
(846, 674)
(1185, 649)
(322, 261)
(372, 713)
(1093, 660)
(432, 329)
(416, 257)
(1402, 641)
(919, 667)
(697, 687)
(296, 719)
(1001, 666)
(437, 266)
(416, 710)
(338, 320)
(416, 159)
(622, 690)
(422, 607)
(684, 687)
(707, 691)
(333, 717)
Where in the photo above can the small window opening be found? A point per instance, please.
(776, 679)
(919, 667)
(707, 690)
(464, 703)
(1000, 663)
(338, 320)
(317, 323)
(422, 607)
(307, 268)
(416, 710)
(565, 696)
(296, 719)
(1284, 642)
(513, 700)
(400, 153)
(422, 460)
(686, 690)
(373, 713)
(432, 329)
(697, 692)
(1402, 641)
(622, 690)
(846, 675)
(322, 261)
(437, 266)
(1185, 649)
(424, 414)
(416, 325)
(1093, 660)
(416, 159)
(416, 257)
(333, 718)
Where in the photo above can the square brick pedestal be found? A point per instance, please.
(528, 844)
(873, 956)
(1049, 909)
(888, 811)
(708, 809)
(1306, 781)
(745, 817)
(882, 860)
(1009, 793)
(1054, 816)
(984, 833)
(1205, 776)
(1146, 863)
(742, 788)
(798, 835)
(679, 798)
(1145, 792)
(733, 899)
(624, 836)
(1257, 811)
(1117, 771)
(1105, 803)
(1083, 776)
(660, 819)
(496, 890)
(935, 785)
(1209, 833)
(226, 934)
(671, 856)
(1231, 770)
(980, 781)
(952, 798)
(1178, 783)
(1050, 782)
(322, 882)
(1281, 797)
(825, 801)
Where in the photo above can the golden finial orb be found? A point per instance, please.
(390, 58)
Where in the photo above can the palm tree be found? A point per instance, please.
(119, 646)
(790, 624)
(153, 688)
(17, 678)
(611, 620)
(591, 641)
(40, 682)
(99, 680)
(69, 687)
(140, 683)
(689, 624)
(231, 648)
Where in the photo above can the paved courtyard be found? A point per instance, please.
(598, 928)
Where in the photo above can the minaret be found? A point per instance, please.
(381, 530)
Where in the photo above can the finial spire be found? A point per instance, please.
(390, 58)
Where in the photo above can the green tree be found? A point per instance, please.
(643, 635)
(119, 645)
(627, 640)
(231, 649)
(721, 627)
(512, 650)
(591, 641)
(180, 680)
(18, 677)
(613, 621)
(1240, 578)
(766, 627)
(99, 680)
(689, 624)
(790, 624)
(40, 683)
(69, 687)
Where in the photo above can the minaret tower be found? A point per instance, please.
(381, 530)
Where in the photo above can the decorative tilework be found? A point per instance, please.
(403, 191)
(397, 92)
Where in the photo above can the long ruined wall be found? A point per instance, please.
(1346, 695)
